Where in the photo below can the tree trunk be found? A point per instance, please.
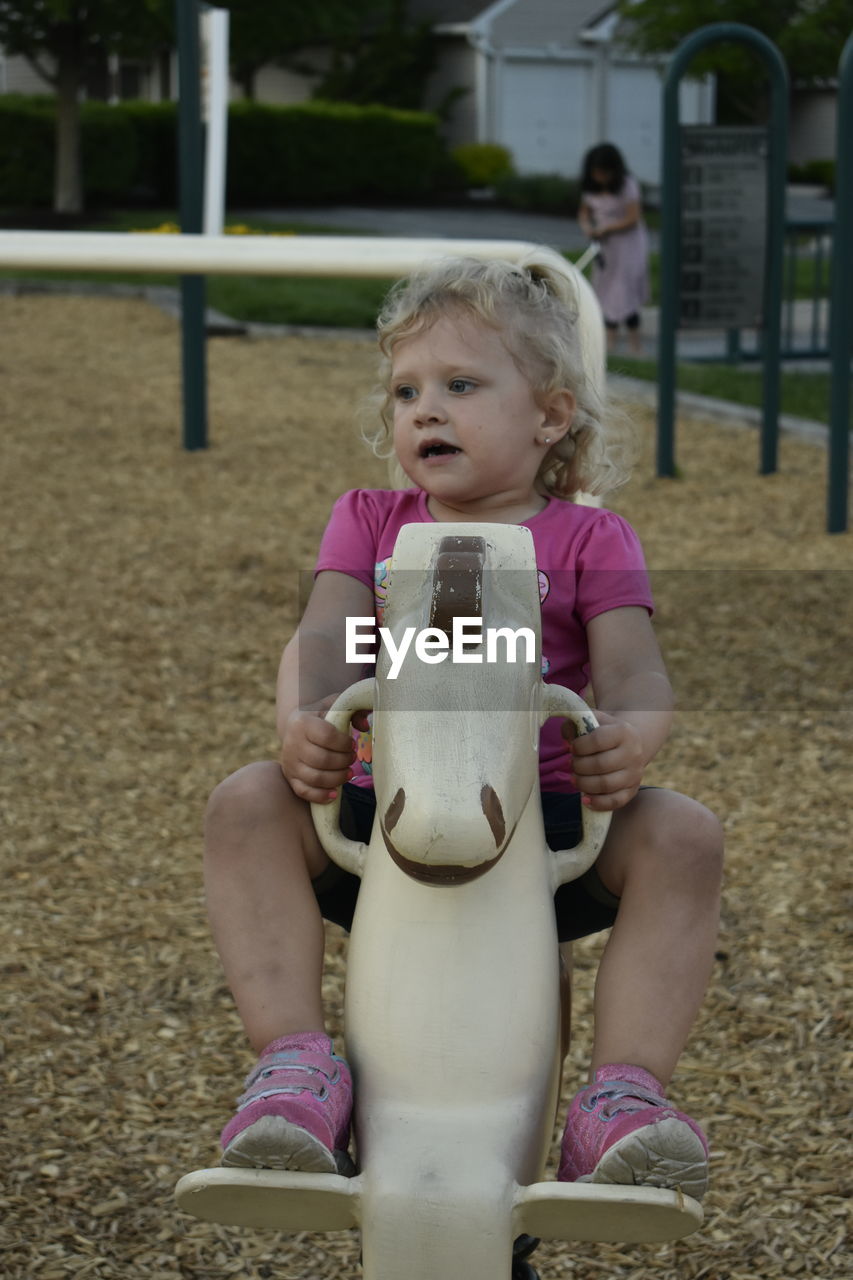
(67, 178)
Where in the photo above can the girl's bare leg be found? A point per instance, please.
(663, 859)
(260, 855)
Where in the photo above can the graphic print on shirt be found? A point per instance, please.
(381, 574)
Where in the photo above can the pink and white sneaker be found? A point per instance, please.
(621, 1129)
(295, 1111)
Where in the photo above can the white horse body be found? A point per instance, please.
(452, 1007)
(454, 1077)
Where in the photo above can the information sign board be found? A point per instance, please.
(723, 226)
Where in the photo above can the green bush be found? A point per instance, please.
(822, 173)
(545, 192)
(108, 152)
(156, 127)
(482, 164)
(27, 145)
(328, 151)
(819, 173)
(314, 151)
(402, 153)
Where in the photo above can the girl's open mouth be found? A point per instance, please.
(436, 449)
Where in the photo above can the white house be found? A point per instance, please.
(548, 79)
(17, 76)
(813, 125)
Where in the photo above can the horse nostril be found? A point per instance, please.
(395, 808)
(494, 813)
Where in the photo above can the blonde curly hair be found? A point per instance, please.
(553, 330)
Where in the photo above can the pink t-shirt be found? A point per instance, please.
(589, 561)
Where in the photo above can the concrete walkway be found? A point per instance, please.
(482, 221)
(471, 222)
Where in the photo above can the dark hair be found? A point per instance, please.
(604, 156)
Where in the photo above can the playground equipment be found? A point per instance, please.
(452, 1001)
(195, 256)
(274, 255)
(671, 223)
(591, 251)
(240, 255)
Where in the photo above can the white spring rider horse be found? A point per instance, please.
(452, 997)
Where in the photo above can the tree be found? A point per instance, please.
(60, 39)
(390, 64)
(809, 33)
(261, 32)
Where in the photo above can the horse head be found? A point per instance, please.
(456, 720)
(456, 729)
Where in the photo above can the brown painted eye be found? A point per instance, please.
(490, 801)
(395, 808)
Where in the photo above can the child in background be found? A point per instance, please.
(611, 214)
(492, 416)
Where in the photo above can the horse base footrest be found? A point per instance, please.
(269, 1198)
(606, 1212)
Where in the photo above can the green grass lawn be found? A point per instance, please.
(804, 395)
(325, 301)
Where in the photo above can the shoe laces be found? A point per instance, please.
(617, 1097)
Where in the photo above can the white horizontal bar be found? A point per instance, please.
(238, 255)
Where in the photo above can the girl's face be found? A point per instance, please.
(468, 428)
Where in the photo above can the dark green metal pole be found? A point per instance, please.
(669, 267)
(777, 169)
(841, 314)
(191, 184)
(671, 228)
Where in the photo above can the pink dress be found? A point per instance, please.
(620, 272)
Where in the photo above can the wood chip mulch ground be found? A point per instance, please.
(147, 593)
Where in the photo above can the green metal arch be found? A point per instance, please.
(841, 304)
(718, 32)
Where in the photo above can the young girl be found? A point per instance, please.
(611, 214)
(492, 417)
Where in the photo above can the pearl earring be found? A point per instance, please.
(547, 440)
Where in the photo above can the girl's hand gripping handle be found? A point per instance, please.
(349, 854)
(568, 864)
